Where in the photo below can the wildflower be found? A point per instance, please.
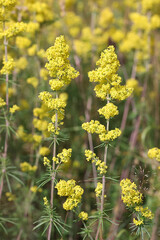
(83, 215)
(14, 109)
(45, 201)
(46, 162)
(154, 153)
(33, 81)
(8, 66)
(109, 111)
(34, 189)
(2, 102)
(130, 195)
(26, 167)
(72, 191)
(98, 189)
(138, 222)
(44, 151)
(10, 196)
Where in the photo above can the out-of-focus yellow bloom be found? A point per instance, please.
(2, 102)
(27, 167)
(44, 151)
(14, 109)
(33, 81)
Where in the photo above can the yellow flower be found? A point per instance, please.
(44, 151)
(33, 81)
(83, 215)
(138, 222)
(130, 195)
(26, 167)
(14, 109)
(2, 102)
(98, 189)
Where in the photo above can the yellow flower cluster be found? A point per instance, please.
(63, 157)
(40, 121)
(83, 215)
(133, 83)
(138, 222)
(8, 3)
(33, 81)
(44, 151)
(145, 212)
(133, 199)
(41, 11)
(45, 201)
(106, 77)
(130, 195)
(22, 42)
(46, 162)
(35, 138)
(53, 104)
(34, 189)
(8, 66)
(110, 135)
(154, 153)
(10, 196)
(26, 167)
(94, 127)
(101, 166)
(109, 111)
(2, 102)
(13, 30)
(14, 109)
(72, 191)
(58, 65)
(98, 189)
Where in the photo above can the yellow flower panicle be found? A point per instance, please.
(145, 212)
(101, 166)
(33, 81)
(138, 222)
(44, 151)
(8, 66)
(130, 195)
(45, 201)
(154, 153)
(110, 135)
(98, 189)
(26, 167)
(83, 215)
(2, 102)
(46, 162)
(108, 82)
(35, 189)
(14, 109)
(109, 111)
(8, 3)
(13, 30)
(72, 191)
(63, 157)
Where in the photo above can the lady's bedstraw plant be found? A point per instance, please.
(62, 73)
(132, 198)
(108, 88)
(8, 30)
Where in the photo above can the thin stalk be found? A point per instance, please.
(53, 174)
(142, 236)
(103, 181)
(5, 42)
